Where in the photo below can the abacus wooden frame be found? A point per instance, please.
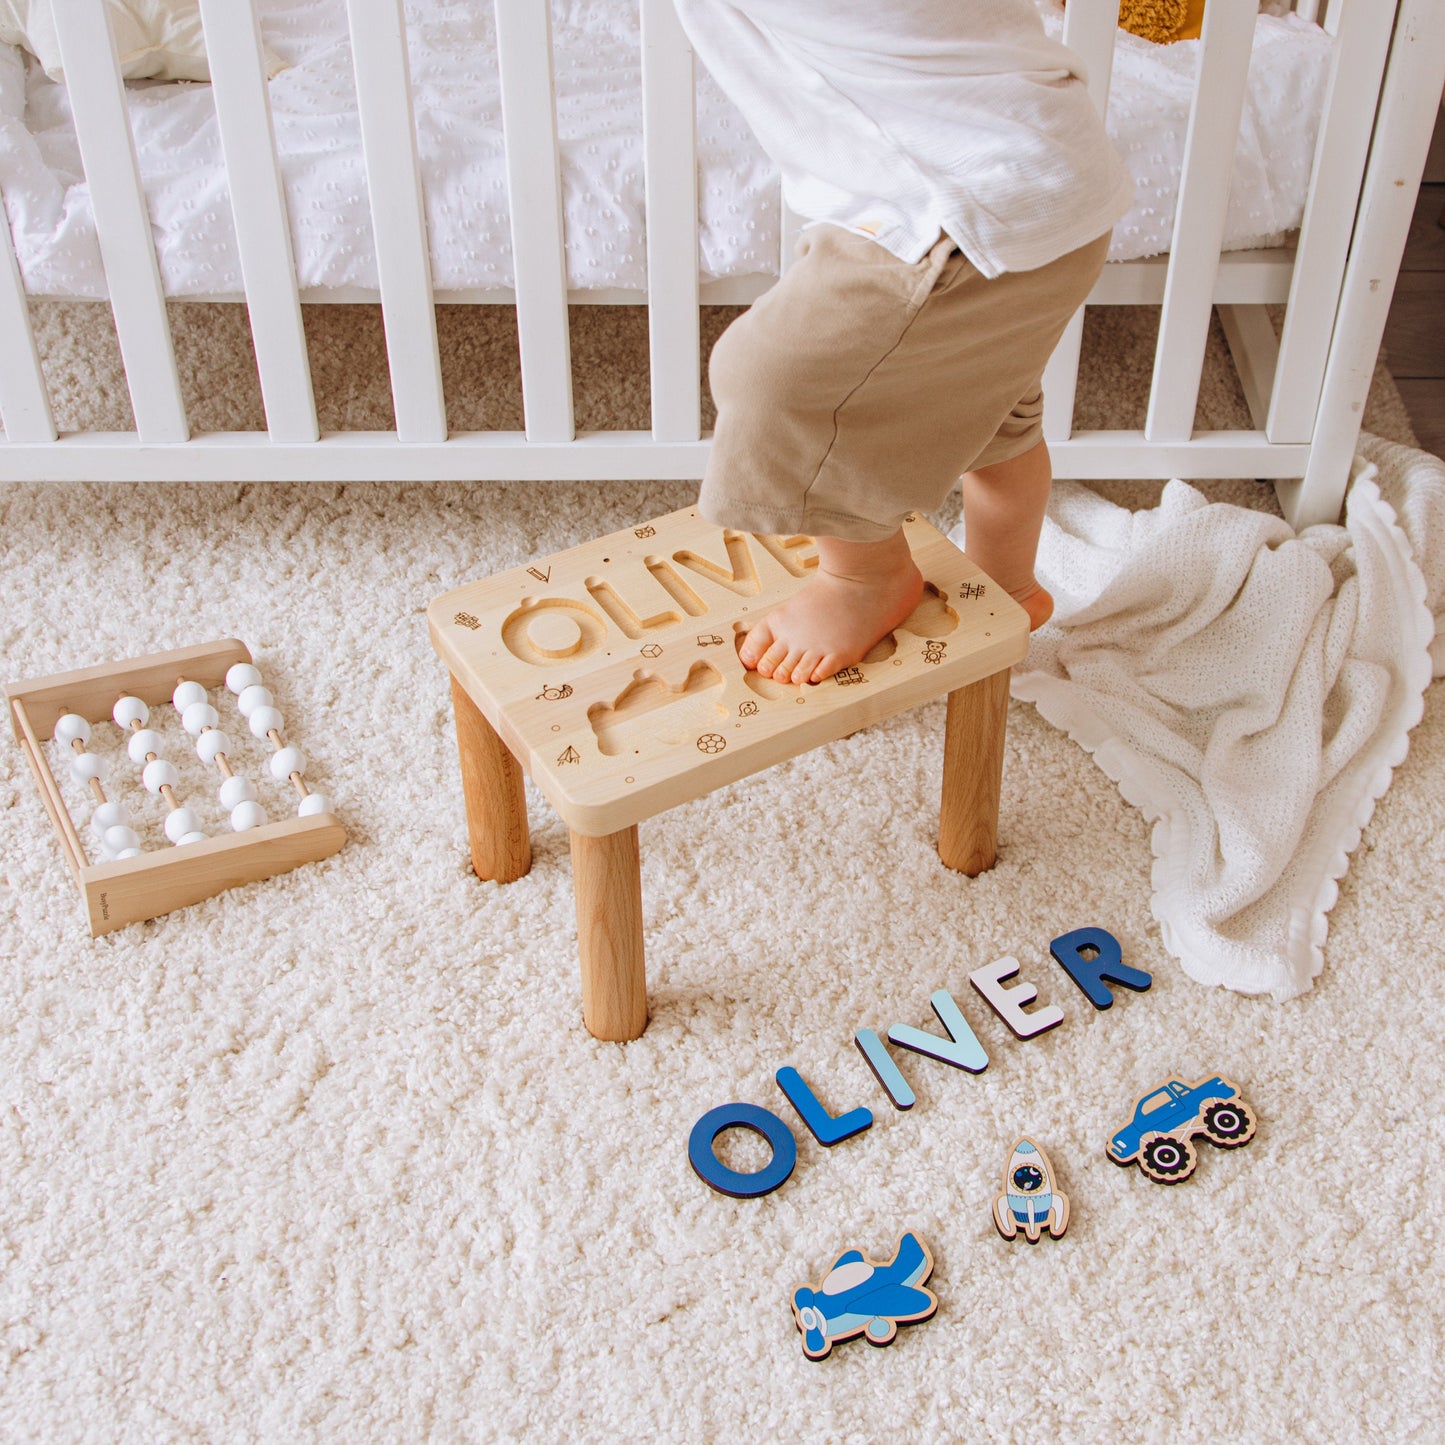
(127, 891)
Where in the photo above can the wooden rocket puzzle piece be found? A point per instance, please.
(1166, 1119)
(1030, 1202)
(860, 1296)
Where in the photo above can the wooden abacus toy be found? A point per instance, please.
(129, 884)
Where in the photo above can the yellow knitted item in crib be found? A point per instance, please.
(1162, 21)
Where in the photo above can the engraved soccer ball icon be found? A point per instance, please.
(711, 743)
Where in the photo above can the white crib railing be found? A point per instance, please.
(1305, 386)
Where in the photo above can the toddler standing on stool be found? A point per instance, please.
(961, 190)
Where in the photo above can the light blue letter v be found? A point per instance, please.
(963, 1049)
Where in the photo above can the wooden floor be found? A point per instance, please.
(1415, 332)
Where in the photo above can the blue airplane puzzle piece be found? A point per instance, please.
(861, 1297)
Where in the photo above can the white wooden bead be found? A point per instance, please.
(186, 694)
(237, 790)
(179, 822)
(253, 697)
(160, 774)
(86, 766)
(312, 804)
(199, 715)
(147, 740)
(210, 743)
(127, 853)
(110, 815)
(247, 815)
(241, 676)
(286, 761)
(70, 726)
(129, 710)
(119, 838)
(264, 719)
(196, 837)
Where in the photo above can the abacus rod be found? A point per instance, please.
(70, 842)
(300, 783)
(167, 792)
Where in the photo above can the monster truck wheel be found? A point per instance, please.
(1228, 1123)
(1167, 1160)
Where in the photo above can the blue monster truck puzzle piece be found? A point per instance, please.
(1165, 1119)
(861, 1297)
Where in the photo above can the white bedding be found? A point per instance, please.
(596, 45)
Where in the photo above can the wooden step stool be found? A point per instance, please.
(610, 673)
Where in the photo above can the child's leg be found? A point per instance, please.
(852, 394)
(1003, 514)
(863, 590)
(859, 594)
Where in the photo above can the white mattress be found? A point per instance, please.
(596, 45)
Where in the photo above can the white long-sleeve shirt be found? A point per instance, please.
(910, 118)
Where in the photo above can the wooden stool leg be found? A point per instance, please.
(607, 881)
(973, 746)
(495, 798)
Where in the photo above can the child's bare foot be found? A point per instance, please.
(1038, 603)
(859, 594)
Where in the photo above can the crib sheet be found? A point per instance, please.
(597, 59)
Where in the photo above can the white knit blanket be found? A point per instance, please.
(1250, 689)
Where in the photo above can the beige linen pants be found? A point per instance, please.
(859, 388)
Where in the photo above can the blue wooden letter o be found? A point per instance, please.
(717, 1175)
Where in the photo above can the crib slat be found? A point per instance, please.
(789, 229)
(1090, 30)
(1409, 99)
(1199, 219)
(1339, 164)
(398, 216)
(1061, 381)
(24, 400)
(534, 185)
(670, 157)
(613, 455)
(122, 224)
(258, 206)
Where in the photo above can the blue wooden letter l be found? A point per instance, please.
(821, 1124)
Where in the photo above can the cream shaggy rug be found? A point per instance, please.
(331, 1158)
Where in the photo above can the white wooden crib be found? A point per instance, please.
(1305, 383)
